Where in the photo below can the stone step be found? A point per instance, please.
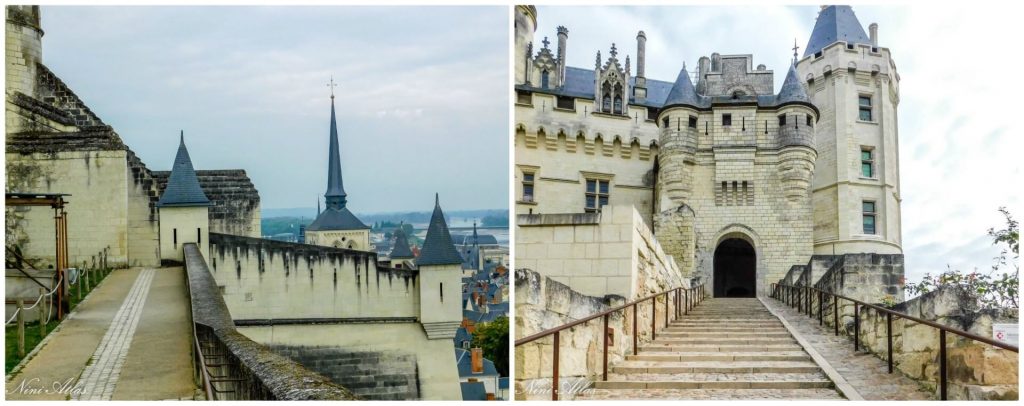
(737, 319)
(721, 356)
(723, 340)
(725, 348)
(655, 367)
(708, 394)
(732, 334)
(715, 381)
(712, 328)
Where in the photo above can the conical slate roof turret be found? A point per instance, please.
(835, 23)
(183, 188)
(438, 248)
(792, 90)
(683, 93)
(401, 249)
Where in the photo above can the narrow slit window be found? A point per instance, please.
(175, 237)
(199, 235)
(440, 289)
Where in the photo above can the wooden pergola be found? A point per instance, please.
(57, 202)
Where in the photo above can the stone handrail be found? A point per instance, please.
(267, 375)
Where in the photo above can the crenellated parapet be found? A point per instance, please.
(589, 142)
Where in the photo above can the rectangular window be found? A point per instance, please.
(867, 163)
(869, 217)
(782, 120)
(652, 113)
(596, 195)
(567, 103)
(810, 122)
(692, 123)
(528, 186)
(524, 98)
(727, 119)
(864, 103)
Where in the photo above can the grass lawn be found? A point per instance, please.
(32, 337)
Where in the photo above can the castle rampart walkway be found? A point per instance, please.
(130, 339)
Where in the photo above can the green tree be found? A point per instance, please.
(993, 289)
(492, 338)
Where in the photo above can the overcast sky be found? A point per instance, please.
(959, 145)
(421, 99)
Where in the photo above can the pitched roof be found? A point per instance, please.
(336, 219)
(835, 23)
(473, 390)
(438, 248)
(183, 188)
(792, 89)
(335, 185)
(683, 93)
(401, 249)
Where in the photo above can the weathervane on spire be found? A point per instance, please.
(332, 85)
(795, 48)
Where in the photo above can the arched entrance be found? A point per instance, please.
(735, 269)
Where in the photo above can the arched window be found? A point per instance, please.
(606, 104)
(618, 105)
(544, 79)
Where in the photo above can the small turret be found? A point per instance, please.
(184, 209)
(440, 276)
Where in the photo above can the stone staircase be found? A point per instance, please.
(723, 349)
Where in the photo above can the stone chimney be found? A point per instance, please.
(703, 66)
(873, 30)
(563, 36)
(640, 89)
(477, 360)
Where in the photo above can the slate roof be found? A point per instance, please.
(183, 188)
(580, 83)
(465, 362)
(482, 239)
(503, 382)
(793, 90)
(462, 335)
(401, 249)
(438, 248)
(336, 219)
(835, 23)
(335, 185)
(683, 93)
(473, 390)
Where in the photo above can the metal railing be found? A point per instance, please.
(803, 299)
(683, 300)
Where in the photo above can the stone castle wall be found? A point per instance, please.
(542, 303)
(266, 279)
(392, 360)
(610, 253)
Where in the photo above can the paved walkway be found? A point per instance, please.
(129, 339)
(867, 373)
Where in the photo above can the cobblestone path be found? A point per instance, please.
(868, 374)
(725, 349)
(100, 377)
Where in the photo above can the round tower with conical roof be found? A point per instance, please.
(184, 210)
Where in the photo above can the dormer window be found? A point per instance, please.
(544, 79)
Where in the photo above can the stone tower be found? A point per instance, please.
(856, 185)
(525, 26)
(24, 40)
(440, 267)
(336, 226)
(184, 210)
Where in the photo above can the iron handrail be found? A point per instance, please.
(684, 300)
(795, 297)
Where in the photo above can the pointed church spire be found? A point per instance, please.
(182, 185)
(475, 239)
(438, 248)
(683, 92)
(834, 24)
(336, 196)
